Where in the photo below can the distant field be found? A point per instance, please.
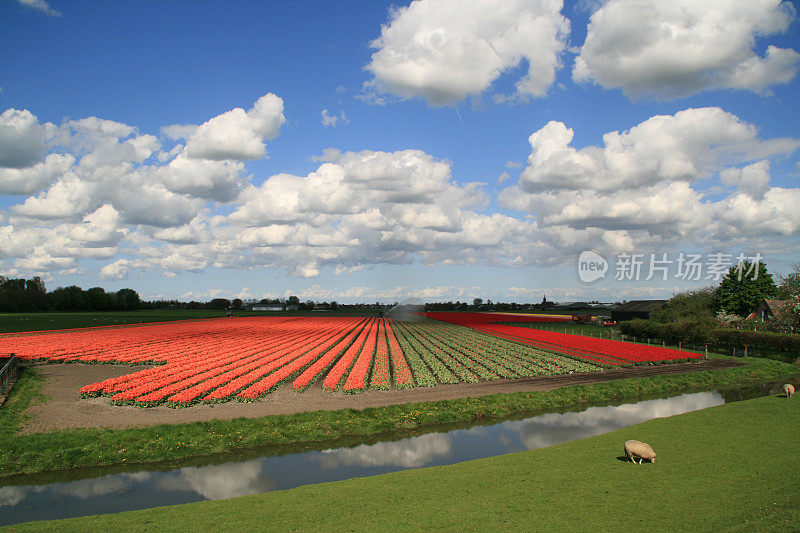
(17, 322)
(14, 322)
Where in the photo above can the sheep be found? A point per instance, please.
(634, 449)
(788, 389)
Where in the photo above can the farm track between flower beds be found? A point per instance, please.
(66, 410)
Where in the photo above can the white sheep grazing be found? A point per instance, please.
(788, 389)
(634, 449)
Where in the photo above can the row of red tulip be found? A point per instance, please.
(381, 373)
(402, 373)
(291, 368)
(357, 377)
(177, 371)
(602, 350)
(345, 362)
(285, 357)
(315, 370)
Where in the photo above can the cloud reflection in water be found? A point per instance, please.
(407, 453)
(555, 428)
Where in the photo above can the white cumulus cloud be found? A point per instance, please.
(238, 134)
(682, 47)
(34, 178)
(642, 188)
(22, 139)
(445, 50)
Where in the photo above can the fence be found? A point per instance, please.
(8, 373)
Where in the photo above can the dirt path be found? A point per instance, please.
(66, 409)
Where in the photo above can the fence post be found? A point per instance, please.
(745, 350)
(706, 351)
(679, 345)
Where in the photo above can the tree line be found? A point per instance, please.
(30, 295)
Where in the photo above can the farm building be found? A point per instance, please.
(768, 309)
(635, 309)
(267, 308)
(273, 307)
(574, 306)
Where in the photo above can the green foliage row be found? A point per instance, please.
(63, 450)
(30, 295)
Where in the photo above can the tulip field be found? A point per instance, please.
(601, 351)
(247, 358)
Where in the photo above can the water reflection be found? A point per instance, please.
(11, 496)
(555, 428)
(217, 482)
(407, 453)
(141, 490)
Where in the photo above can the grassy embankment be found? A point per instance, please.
(76, 449)
(726, 468)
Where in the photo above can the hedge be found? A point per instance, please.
(697, 333)
(687, 331)
(761, 339)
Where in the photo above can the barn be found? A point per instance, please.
(635, 309)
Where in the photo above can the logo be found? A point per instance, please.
(591, 266)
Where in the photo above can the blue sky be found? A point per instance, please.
(363, 151)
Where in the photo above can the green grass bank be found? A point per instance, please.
(81, 449)
(726, 468)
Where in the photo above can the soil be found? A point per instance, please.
(65, 409)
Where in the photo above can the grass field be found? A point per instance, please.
(17, 322)
(727, 468)
(75, 449)
(589, 330)
(14, 322)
